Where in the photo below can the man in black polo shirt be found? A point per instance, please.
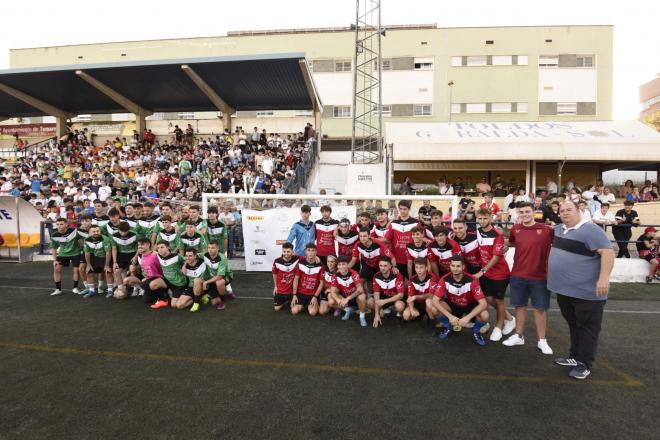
(625, 218)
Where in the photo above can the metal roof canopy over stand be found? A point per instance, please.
(254, 82)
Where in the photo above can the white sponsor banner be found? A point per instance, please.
(264, 232)
(29, 217)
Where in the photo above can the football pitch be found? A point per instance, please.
(98, 368)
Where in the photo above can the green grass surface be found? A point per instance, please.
(73, 368)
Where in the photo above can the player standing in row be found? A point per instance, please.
(494, 274)
(468, 244)
(284, 272)
(418, 248)
(441, 250)
(65, 251)
(302, 232)
(380, 226)
(399, 235)
(457, 301)
(308, 283)
(325, 231)
(97, 250)
(367, 252)
(346, 239)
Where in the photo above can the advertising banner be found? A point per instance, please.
(27, 130)
(265, 231)
(30, 219)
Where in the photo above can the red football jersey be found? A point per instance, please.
(325, 236)
(441, 255)
(399, 235)
(469, 248)
(424, 286)
(493, 207)
(388, 286)
(378, 231)
(347, 284)
(285, 272)
(492, 243)
(461, 293)
(369, 255)
(532, 245)
(345, 243)
(413, 251)
(310, 275)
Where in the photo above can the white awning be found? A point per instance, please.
(603, 141)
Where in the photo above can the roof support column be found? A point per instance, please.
(212, 95)
(35, 102)
(60, 127)
(140, 124)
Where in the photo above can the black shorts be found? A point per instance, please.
(494, 288)
(367, 272)
(649, 257)
(304, 300)
(403, 269)
(323, 296)
(460, 311)
(187, 291)
(279, 299)
(124, 260)
(145, 284)
(177, 291)
(65, 261)
(98, 264)
(420, 306)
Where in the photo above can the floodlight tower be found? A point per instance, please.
(367, 140)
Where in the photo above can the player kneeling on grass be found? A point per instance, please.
(220, 277)
(98, 254)
(197, 272)
(328, 273)
(420, 288)
(387, 291)
(458, 300)
(284, 272)
(347, 292)
(308, 283)
(173, 278)
(146, 272)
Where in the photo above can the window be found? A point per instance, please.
(477, 60)
(304, 113)
(456, 61)
(456, 108)
(422, 110)
(521, 107)
(341, 111)
(567, 108)
(586, 61)
(261, 114)
(424, 66)
(186, 115)
(649, 103)
(342, 66)
(549, 61)
(502, 60)
(490, 41)
(386, 65)
(500, 107)
(82, 118)
(522, 60)
(475, 107)
(386, 110)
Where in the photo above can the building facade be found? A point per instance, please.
(649, 97)
(543, 73)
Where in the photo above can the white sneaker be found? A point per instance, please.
(469, 324)
(509, 326)
(514, 339)
(485, 328)
(496, 335)
(76, 291)
(136, 291)
(228, 289)
(544, 347)
(56, 292)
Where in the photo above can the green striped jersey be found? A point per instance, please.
(218, 266)
(199, 270)
(97, 247)
(126, 244)
(169, 236)
(100, 221)
(216, 231)
(171, 266)
(147, 226)
(83, 233)
(109, 229)
(67, 243)
(197, 242)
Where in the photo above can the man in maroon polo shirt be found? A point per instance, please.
(529, 275)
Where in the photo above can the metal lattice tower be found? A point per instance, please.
(367, 141)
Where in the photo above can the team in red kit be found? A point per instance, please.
(448, 274)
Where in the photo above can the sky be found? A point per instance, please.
(50, 23)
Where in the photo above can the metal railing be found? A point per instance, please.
(303, 170)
